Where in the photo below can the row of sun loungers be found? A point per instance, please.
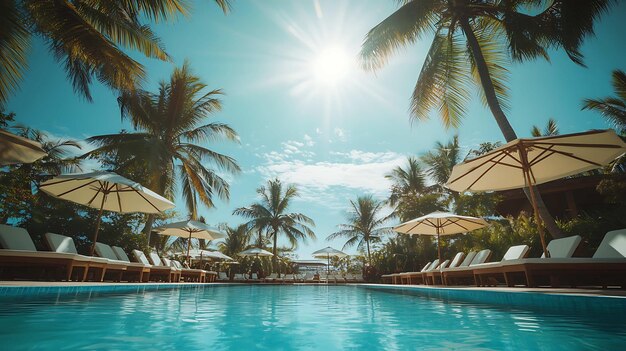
(607, 267)
(294, 278)
(112, 262)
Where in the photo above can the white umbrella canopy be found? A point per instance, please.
(17, 149)
(190, 229)
(544, 159)
(255, 251)
(440, 223)
(105, 191)
(528, 162)
(327, 253)
(199, 254)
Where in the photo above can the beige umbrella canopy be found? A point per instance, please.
(528, 162)
(327, 253)
(105, 191)
(190, 229)
(16, 149)
(256, 252)
(440, 223)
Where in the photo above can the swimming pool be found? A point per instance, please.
(244, 317)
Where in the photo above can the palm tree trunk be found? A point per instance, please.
(503, 122)
(275, 258)
(369, 257)
(147, 228)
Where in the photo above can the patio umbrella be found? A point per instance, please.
(527, 162)
(440, 223)
(200, 254)
(105, 191)
(256, 252)
(329, 252)
(17, 149)
(190, 229)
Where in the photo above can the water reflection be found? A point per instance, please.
(291, 318)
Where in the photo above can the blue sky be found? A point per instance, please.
(331, 129)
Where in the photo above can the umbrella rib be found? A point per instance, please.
(574, 157)
(485, 172)
(78, 187)
(95, 195)
(475, 168)
(119, 200)
(58, 182)
(599, 146)
(547, 152)
(148, 201)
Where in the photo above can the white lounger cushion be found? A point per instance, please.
(433, 266)
(120, 254)
(468, 259)
(481, 257)
(443, 265)
(156, 260)
(141, 257)
(426, 267)
(458, 258)
(613, 245)
(564, 247)
(104, 250)
(516, 252)
(44, 254)
(60, 243)
(14, 238)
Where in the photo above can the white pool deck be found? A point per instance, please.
(552, 291)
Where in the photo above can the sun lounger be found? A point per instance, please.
(18, 250)
(98, 266)
(239, 277)
(187, 274)
(271, 278)
(432, 276)
(606, 268)
(122, 256)
(222, 276)
(310, 278)
(158, 262)
(287, 279)
(132, 269)
(465, 271)
(509, 268)
(419, 277)
(156, 272)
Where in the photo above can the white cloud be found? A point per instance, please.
(332, 183)
(308, 140)
(340, 134)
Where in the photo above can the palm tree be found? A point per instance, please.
(270, 215)
(168, 141)
(364, 225)
(441, 160)
(409, 181)
(613, 109)
(472, 41)
(552, 129)
(237, 240)
(87, 38)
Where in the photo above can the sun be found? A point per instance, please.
(331, 66)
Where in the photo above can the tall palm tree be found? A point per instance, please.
(364, 225)
(409, 181)
(613, 109)
(271, 215)
(551, 129)
(441, 160)
(87, 38)
(471, 44)
(168, 142)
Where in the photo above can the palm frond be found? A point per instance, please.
(14, 43)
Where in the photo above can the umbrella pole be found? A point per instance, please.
(533, 201)
(188, 247)
(95, 235)
(328, 264)
(438, 246)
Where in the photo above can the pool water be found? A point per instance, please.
(247, 317)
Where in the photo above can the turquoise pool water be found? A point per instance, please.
(290, 318)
